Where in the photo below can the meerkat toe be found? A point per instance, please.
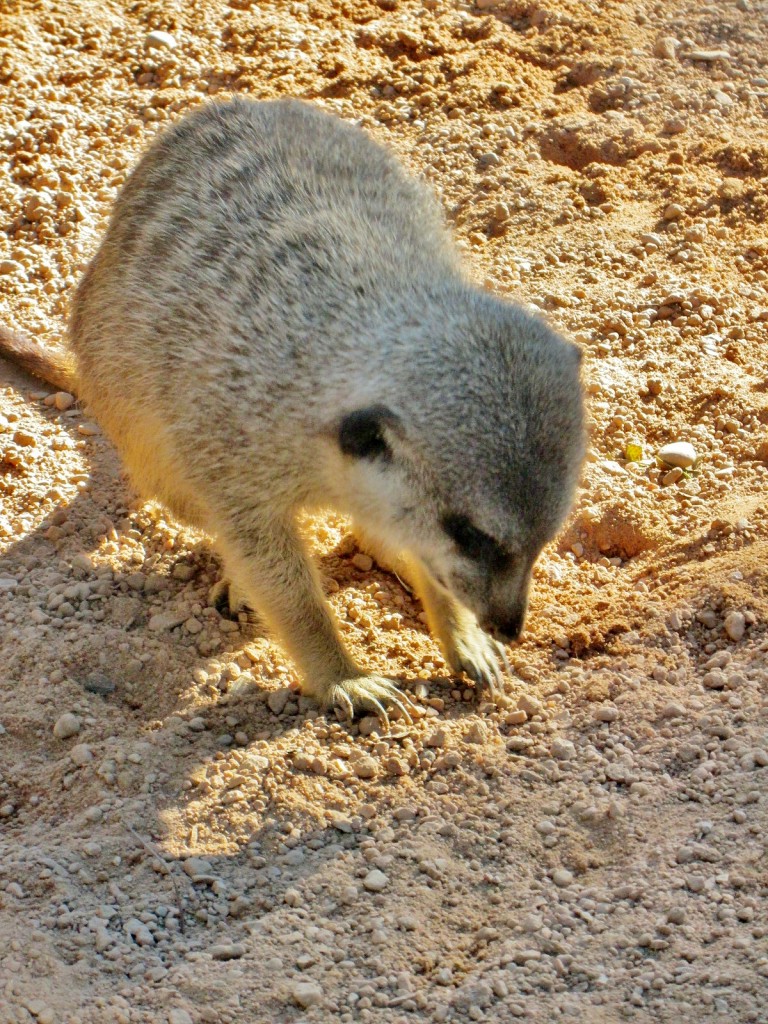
(369, 693)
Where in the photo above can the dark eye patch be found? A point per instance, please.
(475, 543)
(362, 433)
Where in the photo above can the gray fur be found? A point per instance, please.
(269, 269)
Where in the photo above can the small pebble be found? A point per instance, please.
(673, 212)
(679, 453)
(63, 400)
(562, 877)
(81, 754)
(67, 725)
(362, 561)
(163, 622)
(277, 700)
(714, 680)
(375, 881)
(179, 1016)
(195, 866)
(227, 951)
(306, 994)
(530, 705)
(365, 768)
(563, 750)
(605, 713)
(735, 625)
(665, 47)
(159, 40)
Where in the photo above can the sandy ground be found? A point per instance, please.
(181, 839)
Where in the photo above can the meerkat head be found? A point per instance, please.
(472, 467)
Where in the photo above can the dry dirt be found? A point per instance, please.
(593, 848)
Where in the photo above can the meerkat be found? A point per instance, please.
(277, 320)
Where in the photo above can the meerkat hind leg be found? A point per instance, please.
(271, 568)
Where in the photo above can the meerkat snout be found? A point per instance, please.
(507, 625)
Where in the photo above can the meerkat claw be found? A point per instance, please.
(381, 712)
(372, 693)
(402, 709)
(349, 707)
(504, 658)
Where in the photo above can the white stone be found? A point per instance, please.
(81, 754)
(606, 713)
(665, 47)
(227, 950)
(735, 625)
(196, 866)
(563, 750)
(179, 1016)
(365, 768)
(306, 993)
(375, 881)
(67, 725)
(63, 400)
(159, 40)
(679, 453)
(277, 700)
(165, 621)
(530, 705)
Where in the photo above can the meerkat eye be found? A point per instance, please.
(363, 433)
(473, 542)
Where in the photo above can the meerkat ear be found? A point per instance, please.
(363, 433)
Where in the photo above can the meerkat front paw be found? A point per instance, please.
(368, 693)
(471, 651)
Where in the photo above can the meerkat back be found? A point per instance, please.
(235, 287)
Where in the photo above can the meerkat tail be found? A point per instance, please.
(54, 366)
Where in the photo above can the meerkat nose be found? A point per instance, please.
(509, 628)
